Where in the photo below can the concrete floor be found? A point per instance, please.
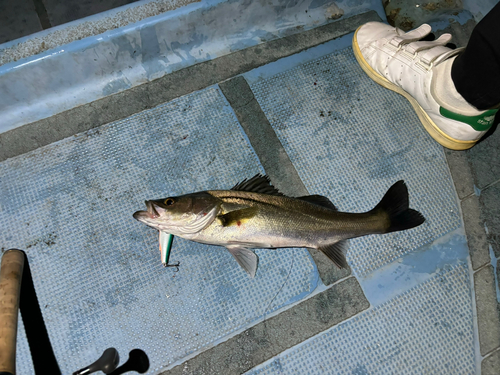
(475, 173)
(25, 17)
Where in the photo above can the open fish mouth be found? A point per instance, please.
(153, 214)
(150, 214)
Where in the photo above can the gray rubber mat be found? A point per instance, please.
(350, 140)
(426, 330)
(97, 271)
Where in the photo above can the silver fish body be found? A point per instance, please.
(253, 214)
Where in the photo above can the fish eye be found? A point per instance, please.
(169, 201)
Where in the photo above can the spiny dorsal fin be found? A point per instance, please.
(237, 217)
(319, 200)
(257, 184)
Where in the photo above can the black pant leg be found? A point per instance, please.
(476, 72)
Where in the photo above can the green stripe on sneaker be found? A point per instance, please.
(480, 123)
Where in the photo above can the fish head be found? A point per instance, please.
(182, 215)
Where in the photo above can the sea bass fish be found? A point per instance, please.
(254, 214)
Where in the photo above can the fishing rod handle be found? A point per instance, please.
(107, 363)
(11, 273)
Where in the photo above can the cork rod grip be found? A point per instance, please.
(11, 272)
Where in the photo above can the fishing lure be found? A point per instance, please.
(166, 240)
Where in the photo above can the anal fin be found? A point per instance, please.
(336, 252)
(246, 258)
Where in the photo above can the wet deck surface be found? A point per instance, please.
(314, 123)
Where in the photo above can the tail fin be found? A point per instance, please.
(395, 204)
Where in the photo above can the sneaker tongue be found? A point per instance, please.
(479, 123)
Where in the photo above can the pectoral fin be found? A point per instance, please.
(237, 217)
(246, 258)
(336, 253)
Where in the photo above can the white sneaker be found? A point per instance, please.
(421, 72)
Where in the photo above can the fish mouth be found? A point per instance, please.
(151, 212)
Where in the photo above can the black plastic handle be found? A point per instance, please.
(138, 361)
(107, 363)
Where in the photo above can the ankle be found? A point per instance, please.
(445, 93)
(452, 104)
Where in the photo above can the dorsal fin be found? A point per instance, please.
(257, 184)
(319, 200)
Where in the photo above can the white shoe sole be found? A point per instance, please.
(429, 125)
